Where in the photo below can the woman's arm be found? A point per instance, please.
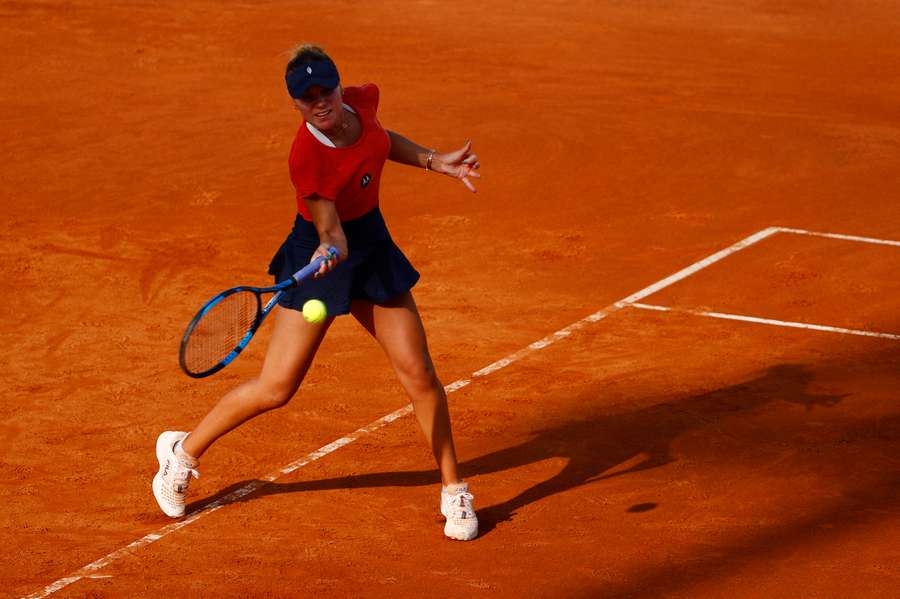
(459, 164)
(331, 233)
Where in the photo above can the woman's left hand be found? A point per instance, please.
(460, 164)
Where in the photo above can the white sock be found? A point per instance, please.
(454, 488)
(184, 456)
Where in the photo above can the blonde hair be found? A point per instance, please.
(303, 53)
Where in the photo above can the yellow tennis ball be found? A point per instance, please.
(314, 311)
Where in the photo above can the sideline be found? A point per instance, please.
(769, 321)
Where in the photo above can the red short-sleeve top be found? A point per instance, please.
(348, 176)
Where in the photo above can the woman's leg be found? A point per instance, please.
(290, 353)
(398, 329)
(292, 347)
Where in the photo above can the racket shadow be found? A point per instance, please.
(596, 448)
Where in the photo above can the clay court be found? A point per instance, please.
(668, 319)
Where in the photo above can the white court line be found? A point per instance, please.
(89, 570)
(839, 236)
(693, 268)
(784, 323)
(771, 321)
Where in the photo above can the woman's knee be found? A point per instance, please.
(417, 373)
(271, 395)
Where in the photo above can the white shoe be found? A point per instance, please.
(170, 484)
(456, 506)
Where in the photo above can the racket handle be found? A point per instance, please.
(313, 266)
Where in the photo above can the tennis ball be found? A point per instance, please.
(314, 311)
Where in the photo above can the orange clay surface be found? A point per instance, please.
(144, 168)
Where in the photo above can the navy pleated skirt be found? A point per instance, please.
(376, 270)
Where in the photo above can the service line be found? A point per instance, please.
(90, 570)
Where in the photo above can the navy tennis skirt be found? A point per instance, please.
(375, 271)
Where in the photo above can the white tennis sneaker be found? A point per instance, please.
(170, 484)
(457, 508)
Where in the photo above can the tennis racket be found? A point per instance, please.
(222, 328)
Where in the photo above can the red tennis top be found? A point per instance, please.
(348, 176)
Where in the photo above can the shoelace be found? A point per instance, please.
(463, 504)
(182, 475)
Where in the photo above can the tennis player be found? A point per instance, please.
(335, 165)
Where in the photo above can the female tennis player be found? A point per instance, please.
(335, 164)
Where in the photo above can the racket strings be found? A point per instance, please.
(220, 330)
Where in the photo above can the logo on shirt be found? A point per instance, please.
(364, 182)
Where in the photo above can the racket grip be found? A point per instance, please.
(313, 266)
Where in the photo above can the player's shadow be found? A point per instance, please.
(595, 448)
(615, 445)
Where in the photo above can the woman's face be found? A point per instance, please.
(321, 107)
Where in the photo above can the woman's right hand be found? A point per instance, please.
(331, 233)
(333, 257)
